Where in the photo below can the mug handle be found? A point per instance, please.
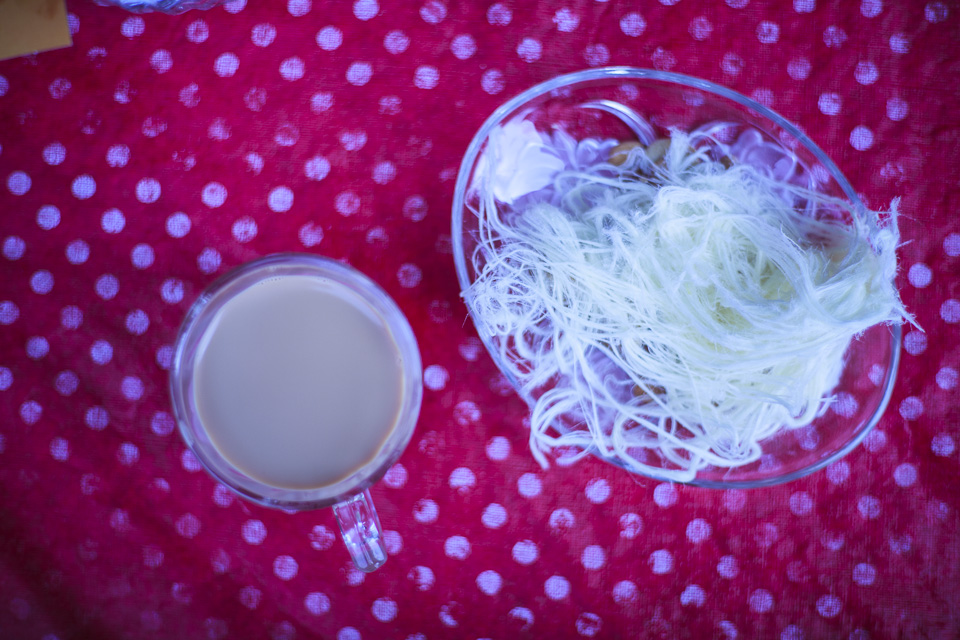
(361, 532)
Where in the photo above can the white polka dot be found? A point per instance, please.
(625, 593)
(359, 73)
(347, 203)
(214, 194)
(13, 247)
(866, 73)
(253, 532)
(101, 352)
(292, 69)
(834, 36)
(871, 8)
(489, 582)
(593, 557)
(728, 567)
(396, 476)
(905, 475)
(6, 378)
(384, 609)
(317, 603)
(353, 140)
(698, 530)
(132, 388)
(171, 291)
(864, 574)
(209, 260)
(83, 187)
(161, 61)
(869, 507)
(285, 567)
(760, 601)
(861, 138)
(409, 276)
(426, 77)
(529, 50)
(936, 12)
(529, 485)
(633, 24)
(244, 229)
(30, 412)
(263, 35)
(804, 6)
(425, 511)
(48, 217)
(59, 88)
(456, 547)
(280, 199)
(498, 448)
(661, 562)
(556, 587)
(321, 538)
(191, 464)
(494, 516)
(942, 445)
(4, 86)
(692, 595)
(897, 109)
(768, 32)
(188, 525)
(77, 252)
(830, 103)
(876, 374)
(384, 172)
(899, 43)
(41, 282)
(566, 20)
(37, 347)
(801, 504)
(118, 155)
(947, 378)
(54, 153)
(178, 225)
(66, 383)
(915, 343)
(492, 81)
(234, 6)
(128, 454)
(396, 42)
(317, 168)
(700, 28)
(596, 55)
(164, 357)
(950, 311)
(665, 495)
(107, 286)
(9, 312)
(59, 449)
(911, 408)
(142, 256)
(829, 606)
(919, 275)
(393, 542)
(875, 441)
(298, 8)
(525, 552)
(630, 526)
(799, 68)
(250, 597)
(365, 9)
(597, 491)
(226, 65)
(462, 480)
(132, 27)
(435, 377)
(499, 15)
(97, 418)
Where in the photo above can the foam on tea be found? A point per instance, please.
(298, 382)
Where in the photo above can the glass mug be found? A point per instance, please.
(349, 496)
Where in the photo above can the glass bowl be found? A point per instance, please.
(606, 102)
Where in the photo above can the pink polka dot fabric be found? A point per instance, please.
(158, 152)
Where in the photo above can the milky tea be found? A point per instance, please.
(298, 382)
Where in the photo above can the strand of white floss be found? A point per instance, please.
(688, 309)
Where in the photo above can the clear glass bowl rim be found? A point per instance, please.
(638, 73)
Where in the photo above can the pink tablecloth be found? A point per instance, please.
(158, 152)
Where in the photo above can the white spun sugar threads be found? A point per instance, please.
(685, 307)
